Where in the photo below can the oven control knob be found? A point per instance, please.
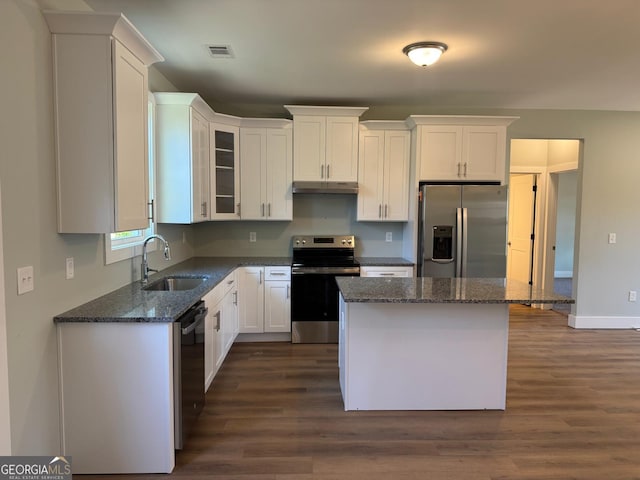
(349, 241)
(297, 242)
(344, 241)
(304, 241)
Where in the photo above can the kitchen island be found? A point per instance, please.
(427, 343)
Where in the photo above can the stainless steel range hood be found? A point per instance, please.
(325, 187)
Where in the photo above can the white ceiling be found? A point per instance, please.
(549, 54)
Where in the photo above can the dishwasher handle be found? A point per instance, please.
(197, 320)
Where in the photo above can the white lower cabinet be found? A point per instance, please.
(265, 299)
(221, 325)
(386, 271)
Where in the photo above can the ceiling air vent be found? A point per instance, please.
(220, 51)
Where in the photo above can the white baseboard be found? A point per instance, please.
(581, 321)
(563, 274)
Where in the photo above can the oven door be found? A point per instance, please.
(314, 303)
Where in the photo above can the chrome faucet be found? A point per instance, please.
(145, 264)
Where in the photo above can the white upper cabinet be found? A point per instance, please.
(383, 172)
(224, 136)
(101, 121)
(182, 158)
(460, 148)
(325, 143)
(266, 166)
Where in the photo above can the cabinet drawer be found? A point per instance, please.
(277, 273)
(387, 271)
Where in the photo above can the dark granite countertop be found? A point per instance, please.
(443, 290)
(133, 304)
(384, 262)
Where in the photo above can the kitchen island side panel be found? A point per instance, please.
(116, 389)
(424, 356)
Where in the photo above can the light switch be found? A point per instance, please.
(25, 279)
(612, 238)
(70, 268)
(388, 237)
(252, 236)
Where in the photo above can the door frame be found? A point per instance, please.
(546, 217)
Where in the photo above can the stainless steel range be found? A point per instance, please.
(317, 260)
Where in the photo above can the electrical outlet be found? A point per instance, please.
(632, 295)
(252, 236)
(388, 237)
(612, 238)
(70, 268)
(25, 280)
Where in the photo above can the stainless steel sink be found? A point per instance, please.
(175, 283)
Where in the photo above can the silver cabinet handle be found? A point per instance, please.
(268, 210)
(386, 210)
(465, 169)
(218, 321)
(229, 282)
(388, 274)
(458, 168)
(278, 274)
(260, 277)
(288, 287)
(262, 210)
(203, 209)
(328, 166)
(151, 204)
(238, 208)
(379, 210)
(321, 171)
(235, 297)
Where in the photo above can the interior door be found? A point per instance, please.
(521, 227)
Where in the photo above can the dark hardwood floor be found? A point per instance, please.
(274, 412)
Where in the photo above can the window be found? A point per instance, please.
(124, 245)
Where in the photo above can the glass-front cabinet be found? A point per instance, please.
(225, 172)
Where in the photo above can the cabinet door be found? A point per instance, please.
(396, 176)
(130, 145)
(251, 303)
(440, 152)
(279, 201)
(309, 140)
(199, 167)
(370, 175)
(277, 306)
(484, 153)
(225, 178)
(342, 149)
(211, 324)
(253, 168)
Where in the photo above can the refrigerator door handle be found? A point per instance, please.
(442, 261)
(459, 234)
(463, 269)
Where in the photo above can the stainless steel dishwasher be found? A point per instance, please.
(188, 372)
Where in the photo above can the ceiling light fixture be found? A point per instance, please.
(424, 53)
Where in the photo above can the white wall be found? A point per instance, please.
(5, 411)
(27, 173)
(566, 223)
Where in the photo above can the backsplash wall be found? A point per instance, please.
(313, 214)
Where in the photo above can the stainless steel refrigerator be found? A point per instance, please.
(462, 231)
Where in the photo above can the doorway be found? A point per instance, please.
(554, 205)
(566, 184)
